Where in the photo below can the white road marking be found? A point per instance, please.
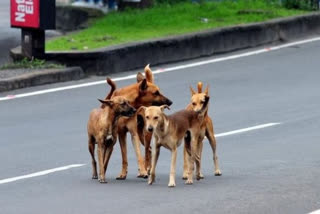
(315, 212)
(49, 171)
(250, 53)
(41, 173)
(246, 129)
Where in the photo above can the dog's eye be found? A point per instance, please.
(157, 93)
(156, 118)
(123, 104)
(202, 102)
(147, 117)
(194, 104)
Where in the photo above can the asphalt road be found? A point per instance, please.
(271, 170)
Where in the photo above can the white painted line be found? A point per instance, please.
(315, 212)
(49, 171)
(246, 129)
(250, 53)
(41, 173)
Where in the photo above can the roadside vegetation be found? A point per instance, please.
(167, 19)
(30, 64)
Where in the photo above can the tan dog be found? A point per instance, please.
(169, 131)
(102, 130)
(142, 93)
(206, 129)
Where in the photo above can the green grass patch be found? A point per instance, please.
(167, 20)
(30, 64)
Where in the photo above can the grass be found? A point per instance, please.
(167, 20)
(30, 64)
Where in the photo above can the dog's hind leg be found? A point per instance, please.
(213, 143)
(91, 146)
(123, 146)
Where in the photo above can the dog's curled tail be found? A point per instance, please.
(148, 73)
(113, 88)
(199, 87)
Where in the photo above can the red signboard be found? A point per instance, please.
(25, 13)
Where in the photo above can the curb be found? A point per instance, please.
(41, 77)
(172, 49)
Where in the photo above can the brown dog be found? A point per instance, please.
(102, 130)
(142, 93)
(206, 129)
(169, 131)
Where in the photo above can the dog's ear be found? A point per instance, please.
(140, 77)
(143, 85)
(148, 73)
(192, 91)
(207, 90)
(199, 87)
(141, 110)
(106, 102)
(164, 106)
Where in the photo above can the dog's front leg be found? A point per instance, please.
(147, 142)
(155, 157)
(123, 146)
(101, 155)
(172, 178)
(136, 144)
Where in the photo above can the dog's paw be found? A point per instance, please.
(103, 181)
(150, 181)
(94, 176)
(200, 176)
(189, 182)
(171, 184)
(185, 176)
(140, 175)
(217, 172)
(121, 177)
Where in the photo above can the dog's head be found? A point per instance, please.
(149, 93)
(154, 116)
(198, 99)
(120, 106)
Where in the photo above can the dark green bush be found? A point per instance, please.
(299, 4)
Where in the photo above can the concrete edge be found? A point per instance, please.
(41, 77)
(136, 55)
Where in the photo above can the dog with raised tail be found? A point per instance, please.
(206, 129)
(169, 131)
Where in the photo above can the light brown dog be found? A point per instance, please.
(206, 129)
(169, 131)
(142, 93)
(102, 130)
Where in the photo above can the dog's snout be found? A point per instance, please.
(169, 102)
(150, 128)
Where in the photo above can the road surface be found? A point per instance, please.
(274, 169)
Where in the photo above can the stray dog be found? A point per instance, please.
(102, 130)
(169, 131)
(142, 93)
(206, 129)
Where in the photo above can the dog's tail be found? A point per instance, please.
(148, 73)
(113, 88)
(204, 108)
(199, 87)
